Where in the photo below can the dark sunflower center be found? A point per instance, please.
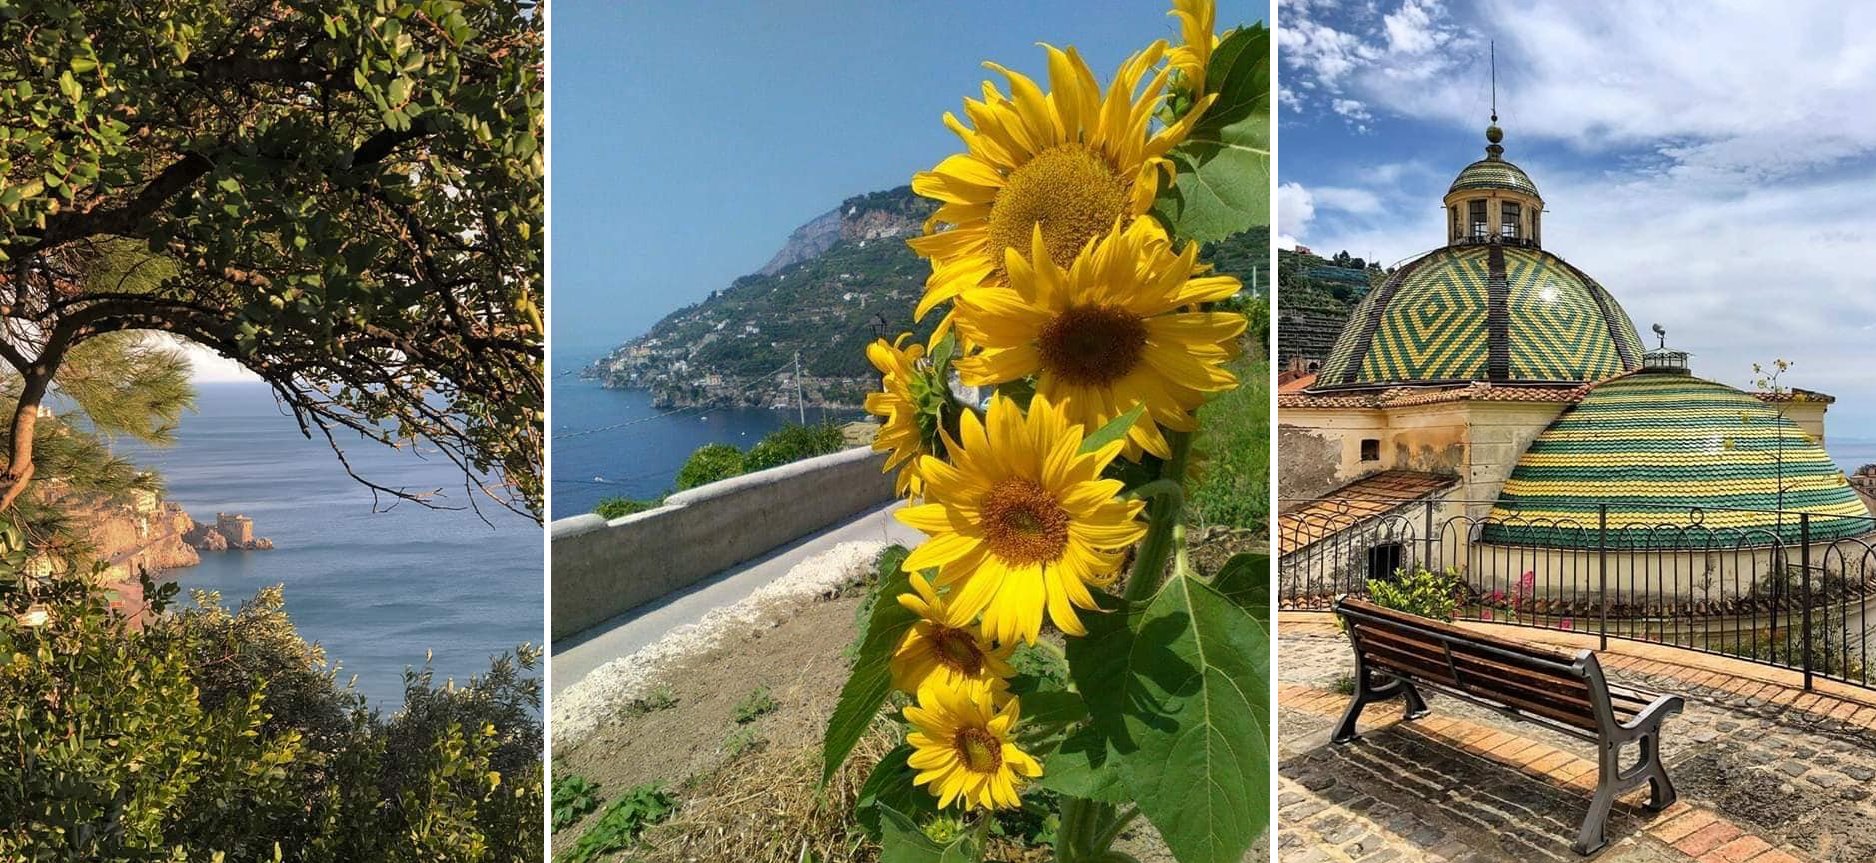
(1070, 190)
(978, 750)
(957, 650)
(1023, 523)
(1093, 345)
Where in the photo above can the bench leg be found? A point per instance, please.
(1368, 692)
(1593, 836)
(1661, 793)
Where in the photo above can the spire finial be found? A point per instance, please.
(1494, 49)
(1493, 134)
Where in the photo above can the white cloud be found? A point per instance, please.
(1296, 207)
(208, 366)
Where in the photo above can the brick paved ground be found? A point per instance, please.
(1766, 772)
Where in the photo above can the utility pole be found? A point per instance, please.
(801, 407)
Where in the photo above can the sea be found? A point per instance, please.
(612, 443)
(376, 588)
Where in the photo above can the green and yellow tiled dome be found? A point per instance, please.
(1489, 312)
(1681, 462)
(1494, 173)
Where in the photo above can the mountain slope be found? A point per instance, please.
(842, 279)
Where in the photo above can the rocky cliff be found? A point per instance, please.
(841, 280)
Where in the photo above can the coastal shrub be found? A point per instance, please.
(1421, 591)
(620, 507)
(711, 462)
(793, 443)
(207, 731)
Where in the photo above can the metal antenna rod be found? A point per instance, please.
(1494, 47)
(801, 406)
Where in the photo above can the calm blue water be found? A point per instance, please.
(1849, 453)
(376, 588)
(641, 460)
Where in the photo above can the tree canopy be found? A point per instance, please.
(343, 197)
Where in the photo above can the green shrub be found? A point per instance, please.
(620, 507)
(793, 443)
(575, 797)
(212, 732)
(1233, 484)
(1419, 591)
(711, 462)
(623, 821)
(754, 706)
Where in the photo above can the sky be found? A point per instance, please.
(689, 139)
(1715, 172)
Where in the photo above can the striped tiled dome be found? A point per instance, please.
(1497, 313)
(1494, 173)
(1677, 459)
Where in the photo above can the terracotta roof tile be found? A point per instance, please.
(1405, 396)
(1360, 501)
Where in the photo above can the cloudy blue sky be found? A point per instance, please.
(1716, 172)
(688, 139)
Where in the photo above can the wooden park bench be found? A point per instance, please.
(1396, 653)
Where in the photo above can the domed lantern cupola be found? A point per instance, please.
(1493, 200)
(1663, 359)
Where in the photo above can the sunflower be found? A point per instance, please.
(903, 434)
(936, 650)
(1110, 332)
(1071, 161)
(1196, 19)
(1021, 521)
(963, 748)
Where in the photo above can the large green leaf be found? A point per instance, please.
(902, 842)
(1197, 722)
(871, 681)
(1223, 183)
(1086, 764)
(890, 786)
(1245, 580)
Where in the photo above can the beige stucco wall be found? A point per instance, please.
(1478, 442)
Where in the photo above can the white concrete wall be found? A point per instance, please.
(604, 568)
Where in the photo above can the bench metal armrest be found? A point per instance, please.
(1650, 718)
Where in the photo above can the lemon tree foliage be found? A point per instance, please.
(1067, 279)
(216, 734)
(343, 197)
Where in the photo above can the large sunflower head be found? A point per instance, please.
(1070, 161)
(913, 400)
(1020, 520)
(1117, 328)
(935, 649)
(964, 750)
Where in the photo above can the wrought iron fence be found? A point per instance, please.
(1788, 589)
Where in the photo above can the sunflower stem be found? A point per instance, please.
(1163, 515)
(1105, 841)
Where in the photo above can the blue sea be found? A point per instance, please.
(377, 589)
(1849, 453)
(639, 459)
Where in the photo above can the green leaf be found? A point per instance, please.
(890, 786)
(69, 86)
(902, 842)
(871, 681)
(1223, 182)
(1198, 722)
(1114, 430)
(1086, 765)
(1245, 580)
